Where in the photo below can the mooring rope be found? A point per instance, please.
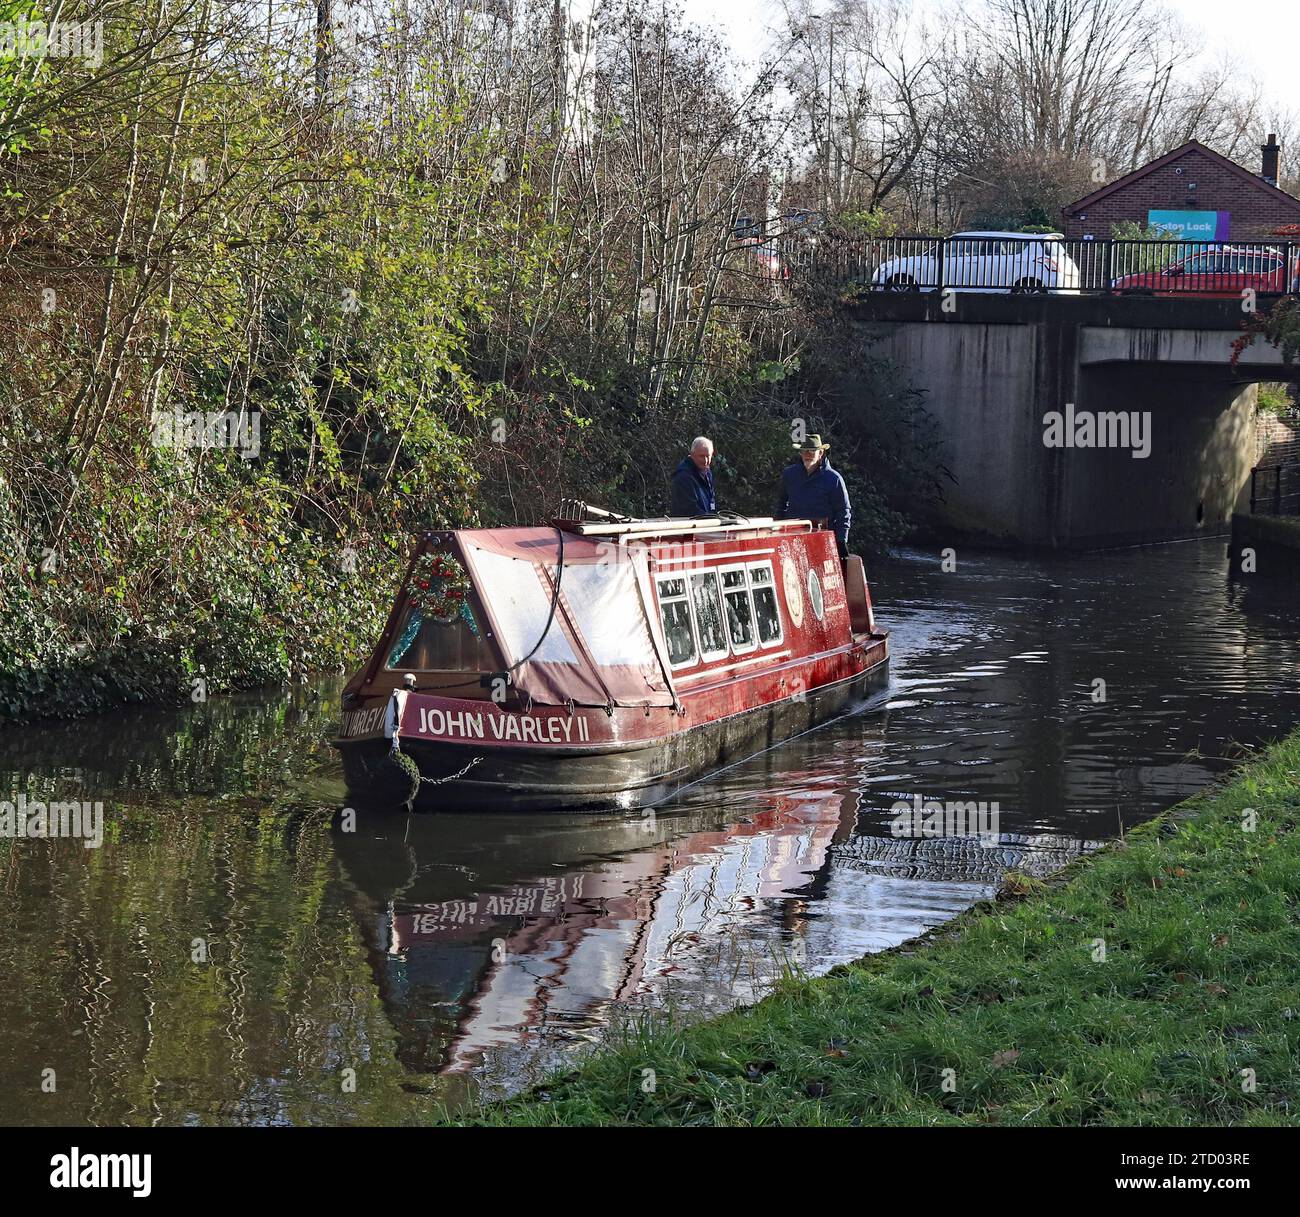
(451, 777)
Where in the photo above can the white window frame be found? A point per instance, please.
(708, 572)
(685, 597)
(700, 656)
(748, 592)
(776, 600)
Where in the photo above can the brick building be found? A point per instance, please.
(1192, 191)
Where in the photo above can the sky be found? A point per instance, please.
(1266, 42)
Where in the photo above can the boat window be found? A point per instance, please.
(740, 609)
(604, 604)
(766, 612)
(675, 612)
(708, 614)
(815, 595)
(521, 603)
(425, 644)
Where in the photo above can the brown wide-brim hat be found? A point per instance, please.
(811, 443)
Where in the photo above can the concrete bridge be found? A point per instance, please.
(1081, 421)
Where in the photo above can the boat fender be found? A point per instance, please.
(411, 771)
(393, 719)
(392, 728)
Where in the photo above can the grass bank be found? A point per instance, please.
(1155, 983)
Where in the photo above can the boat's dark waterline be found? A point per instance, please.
(553, 779)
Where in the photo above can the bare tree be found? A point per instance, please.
(862, 82)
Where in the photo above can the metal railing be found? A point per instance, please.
(1031, 264)
(1275, 489)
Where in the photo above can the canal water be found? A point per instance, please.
(231, 954)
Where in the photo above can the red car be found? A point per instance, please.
(1226, 271)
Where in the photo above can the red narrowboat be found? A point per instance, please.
(604, 664)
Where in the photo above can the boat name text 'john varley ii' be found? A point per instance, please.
(527, 728)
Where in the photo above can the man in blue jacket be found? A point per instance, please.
(693, 492)
(812, 490)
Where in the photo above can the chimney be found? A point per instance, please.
(1271, 152)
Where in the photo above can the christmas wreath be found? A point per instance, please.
(439, 588)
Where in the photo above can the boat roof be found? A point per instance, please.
(672, 527)
(590, 538)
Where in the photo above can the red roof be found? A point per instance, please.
(1193, 145)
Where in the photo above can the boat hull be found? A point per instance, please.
(634, 773)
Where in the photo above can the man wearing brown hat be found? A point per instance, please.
(812, 490)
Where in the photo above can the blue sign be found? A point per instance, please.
(1192, 225)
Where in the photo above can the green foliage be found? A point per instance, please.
(875, 223)
(883, 440)
(430, 320)
(1282, 327)
(1152, 250)
(135, 608)
(1274, 399)
(22, 79)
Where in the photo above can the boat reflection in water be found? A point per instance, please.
(495, 946)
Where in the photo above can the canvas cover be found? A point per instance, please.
(603, 646)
